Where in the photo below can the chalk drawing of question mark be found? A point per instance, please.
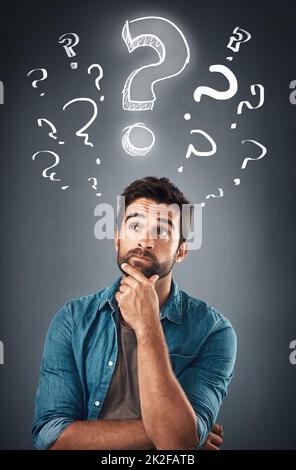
(239, 36)
(94, 185)
(248, 104)
(44, 76)
(50, 124)
(153, 41)
(80, 132)
(263, 152)
(101, 74)
(70, 40)
(221, 193)
(1, 93)
(57, 160)
(218, 95)
(191, 149)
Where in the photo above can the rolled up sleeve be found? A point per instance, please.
(206, 380)
(59, 396)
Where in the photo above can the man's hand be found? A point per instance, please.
(214, 439)
(138, 300)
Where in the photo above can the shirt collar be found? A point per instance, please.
(172, 309)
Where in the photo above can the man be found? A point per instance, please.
(140, 364)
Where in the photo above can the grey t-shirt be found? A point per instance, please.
(122, 400)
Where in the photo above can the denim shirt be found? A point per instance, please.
(80, 354)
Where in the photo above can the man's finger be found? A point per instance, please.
(218, 429)
(129, 281)
(211, 447)
(215, 439)
(133, 272)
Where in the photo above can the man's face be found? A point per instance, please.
(149, 238)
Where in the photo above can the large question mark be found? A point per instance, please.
(44, 76)
(1, 93)
(80, 133)
(218, 95)
(57, 160)
(153, 41)
(50, 124)
(191, 149)
(248, 104)
(97, 80)
(70, 40)
(235, 42)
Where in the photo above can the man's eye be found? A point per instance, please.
(134, 226)
(162, 231)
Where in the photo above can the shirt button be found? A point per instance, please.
(97, 403)
(110, 363)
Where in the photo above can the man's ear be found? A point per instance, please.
(116, 236)
(182, 252)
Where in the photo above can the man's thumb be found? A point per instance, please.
(154, 278)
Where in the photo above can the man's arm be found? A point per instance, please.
(167, 414)
(59, 421)
(104, 434)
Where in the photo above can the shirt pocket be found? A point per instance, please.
(180, 362)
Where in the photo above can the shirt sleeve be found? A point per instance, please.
(59, 397)
(206, 380)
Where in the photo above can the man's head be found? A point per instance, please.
(149, 231)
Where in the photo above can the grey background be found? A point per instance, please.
(246, 265)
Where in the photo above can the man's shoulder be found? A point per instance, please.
(200, 312)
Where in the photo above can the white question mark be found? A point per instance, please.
(221, 193)
(248, 104)
(1, 93)
(153, 41)
(80, 133)
(191, 149)
(94, 185)
(263, 153)
(235, 42)
(70, 40)
(101, 74)
(44, 76)
(44, 173)
(218, 95)
(50, 124)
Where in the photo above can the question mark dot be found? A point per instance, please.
(236, 181)
(180, 169)
(42, 94)
(64, 187)
(102, 98)
(229, 58)
(187, 116)
(61, 143)
(203, 204)
(74, 65)
(233, 125)
(98, 161)
(99, 194)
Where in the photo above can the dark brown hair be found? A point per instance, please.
(160, 190)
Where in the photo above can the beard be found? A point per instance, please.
(148, 266)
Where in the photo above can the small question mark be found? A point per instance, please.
(94, 185)
(153, 41)
(44, 76)
(70, 40)
(50, 124)
(218, 95)
(80, 133)
(1, 93)
(191, 149)
(101, 74)
(221, 193)
(248, 104)
(44, 173)
(263, 153)
(235, 42)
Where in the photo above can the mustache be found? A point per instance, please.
(140, 252)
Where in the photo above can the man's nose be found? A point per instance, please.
(146, 243)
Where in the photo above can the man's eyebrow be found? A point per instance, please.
(142, 216)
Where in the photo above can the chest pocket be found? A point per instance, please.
(180, 362)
